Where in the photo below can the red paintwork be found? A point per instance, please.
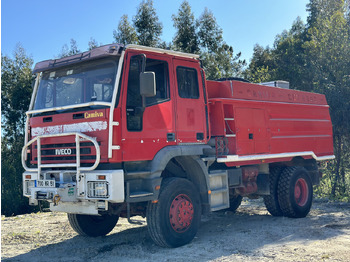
(183, 117)
(61, 121)
(255, 119)
(157, 120)
(278, 120)
(249, 185)
(181, 213)
(301, 192)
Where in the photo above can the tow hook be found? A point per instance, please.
(56, 199)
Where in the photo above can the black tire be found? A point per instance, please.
(235, 202)
(295, 192)
(165, 225)
(92, 226)
(271, 201)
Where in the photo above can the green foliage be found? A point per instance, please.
(16, 82)
(260, 74)
(93, 43)
(185, 39)
(16, 89)
(209, 32)
(71, 50)
(125, 34)
(262, 65)
(147, 24)
(316, 57)
(219, 60)
(202, 36)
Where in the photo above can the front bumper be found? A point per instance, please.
(85, 193)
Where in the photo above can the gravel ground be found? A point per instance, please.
(250, 234)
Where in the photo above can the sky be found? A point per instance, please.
(42, 27)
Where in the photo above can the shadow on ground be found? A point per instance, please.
(244, 233)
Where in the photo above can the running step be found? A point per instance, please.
(219, 207)
(140, 194)
(218, 185)
(138, 173)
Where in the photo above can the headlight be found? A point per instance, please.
(97, 189)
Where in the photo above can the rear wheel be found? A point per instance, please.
(92, 226)
(174, 220)
(295, 192)
(271, 201)
(235, 202)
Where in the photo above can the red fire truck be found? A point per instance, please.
(124, 131)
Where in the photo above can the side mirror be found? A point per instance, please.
(147, 84)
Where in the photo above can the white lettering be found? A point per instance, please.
(77, 127)
(63, 151)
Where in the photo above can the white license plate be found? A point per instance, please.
(45, 183)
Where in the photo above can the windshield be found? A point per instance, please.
(77, 84)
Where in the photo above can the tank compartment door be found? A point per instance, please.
(251, 131)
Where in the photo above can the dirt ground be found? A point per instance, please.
(250, 234)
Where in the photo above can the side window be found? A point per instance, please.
(187, 82)
(160, 68)
(134, 99)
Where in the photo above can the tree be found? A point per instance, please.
(316, 57)
(209, 32)
(329, 51)
(285, 61)
(125, 34)
(185, 38)
(93, 43)
(16, 89)
(290, 60)
(262, 65)
(68, 51)
(218, 58)
(147, 24)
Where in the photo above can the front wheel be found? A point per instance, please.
(174, 220)
(92, 226)
(295, 192)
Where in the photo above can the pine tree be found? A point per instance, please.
(68, 51)
(125, 34)
(209, 32)
(218, 58)
(93, 43)
(147, 24)
(185, 38)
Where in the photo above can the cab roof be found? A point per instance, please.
(101, 52)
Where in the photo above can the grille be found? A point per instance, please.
(65, 152)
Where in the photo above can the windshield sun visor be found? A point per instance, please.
(99, 52)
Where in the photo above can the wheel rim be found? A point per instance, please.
(301, 192)
(181, 213)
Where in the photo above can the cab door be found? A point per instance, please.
(145, 130)
(190, 110)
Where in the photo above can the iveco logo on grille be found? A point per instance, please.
(63, 151)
